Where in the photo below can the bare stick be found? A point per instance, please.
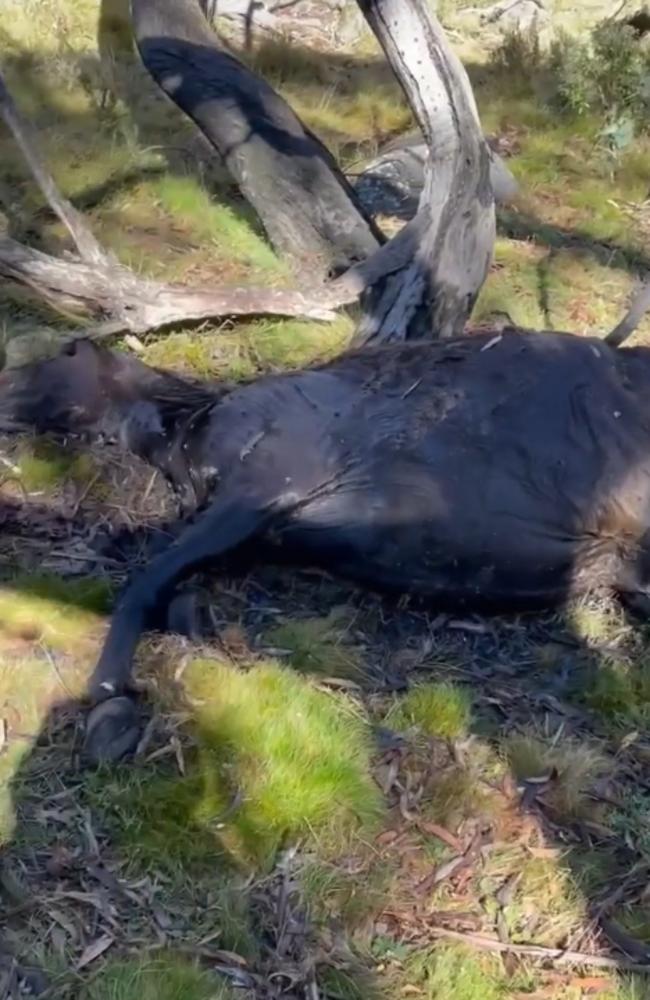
(555, 955)
(86, 244)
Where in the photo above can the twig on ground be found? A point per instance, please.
(555, 955)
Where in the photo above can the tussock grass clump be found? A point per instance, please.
(457, 794)
(318, 645)
(571, 767)
(596, 622)
(169, 978)
(438, 709)
(620, 691)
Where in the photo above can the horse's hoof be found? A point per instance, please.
(112, 730)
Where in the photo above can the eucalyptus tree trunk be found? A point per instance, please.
(426, 281)
(307, 207)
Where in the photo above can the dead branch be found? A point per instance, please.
(555, 955)
(87, 246)
(126, 303)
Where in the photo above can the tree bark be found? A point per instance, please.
(124, 303)
(307, 207)
(435, 267)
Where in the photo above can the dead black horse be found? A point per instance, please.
(494, 472)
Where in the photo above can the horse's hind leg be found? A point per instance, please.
(112, 727)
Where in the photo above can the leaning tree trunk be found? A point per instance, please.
(307, 207)
(426, 280)
(94, 284)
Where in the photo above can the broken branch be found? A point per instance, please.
(555, 955)
(87, 246)
(122, 302)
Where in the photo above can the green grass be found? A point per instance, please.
(596, 622)
(620, 692)
(350, 103)
(303, 770)
(44, 466)
(295, 759)
(219, 225)
(62, 614)
(251, 348)
(452, 971)
(437, 709)
(318, 645)
(166, 978)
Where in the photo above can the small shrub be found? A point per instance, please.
(609, 75)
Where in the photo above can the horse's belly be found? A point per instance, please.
(421, 539)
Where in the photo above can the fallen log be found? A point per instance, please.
(121, 302)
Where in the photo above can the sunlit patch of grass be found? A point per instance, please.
(437, 709)
(18, 750)
(299, 756)
(596, 622)
(318, 645)
(166, 978)
(558, 289)
(570, 766)
(48, 635)
(546, 904)
(454, 971)
(44, 466)
(293, 760)
(293, 343)
(196, 354)
(62, 614)
(251, 349)
(512, 286)
(348, 103)
(219, 223)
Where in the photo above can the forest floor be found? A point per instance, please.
(335, 796)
